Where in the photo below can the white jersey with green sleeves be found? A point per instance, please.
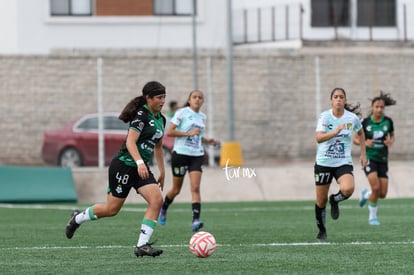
(336, 151)
(187, 120)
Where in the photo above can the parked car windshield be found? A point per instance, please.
(113, 123)
(110, 123)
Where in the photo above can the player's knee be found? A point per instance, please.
(155, 202)
(375, 189)
(348, 191)
(321, 203)
(195, 190)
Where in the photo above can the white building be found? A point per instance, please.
(41, 26)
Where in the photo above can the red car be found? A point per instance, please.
(76, 144)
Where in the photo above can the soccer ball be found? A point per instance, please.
(202, 244)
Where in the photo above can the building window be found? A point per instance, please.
(173, 7)
(330, 13)
(71, 7)
(378, 13)
(121, 7)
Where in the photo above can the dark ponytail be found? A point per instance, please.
(388, 100)
(354, 108)
(129, 111)
(151, 89)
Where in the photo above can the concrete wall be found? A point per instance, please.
(273, 181)
(275, 100)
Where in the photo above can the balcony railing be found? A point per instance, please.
(286, 22)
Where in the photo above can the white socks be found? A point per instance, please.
(145, 235)
(372, 211)
(147, 227)
(86, 215)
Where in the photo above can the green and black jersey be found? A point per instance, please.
(151, 131)
(377, 131)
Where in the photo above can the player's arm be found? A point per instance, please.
(322, 136)
(363, 157)
(209, 141)
(389, 139)
(159, 156)
(131, 145)
(173, 132)
(355, 139)
(367, 142)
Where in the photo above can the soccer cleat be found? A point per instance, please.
(334, 207)
(197, 225)
(321, 236)
(147, 250)
(363, 200)
(162, 217)
(72, 225)
(373, 222)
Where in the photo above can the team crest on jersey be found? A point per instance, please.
(349, 126)
(119, 189)
(141, 125)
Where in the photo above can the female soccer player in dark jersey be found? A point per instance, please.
(129, 168)
(379, 137)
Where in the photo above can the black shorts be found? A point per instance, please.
(324, 175)
(123, 177)
(180, 164)
(375, 166)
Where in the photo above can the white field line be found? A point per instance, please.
(219, 245)
(129, 208)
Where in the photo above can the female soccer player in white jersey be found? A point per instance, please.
(187, 126)
(334, 133)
